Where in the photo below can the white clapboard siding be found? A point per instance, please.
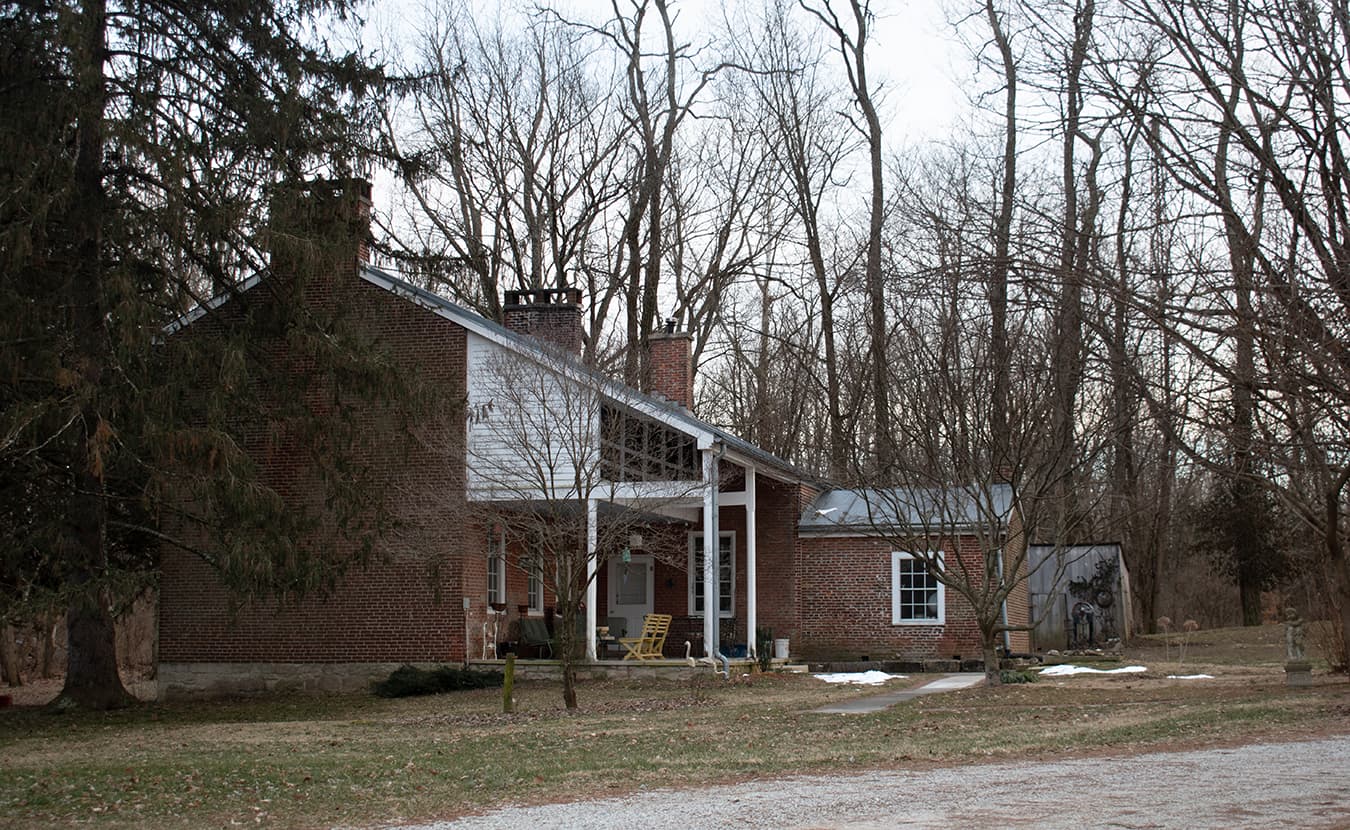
(529, 430)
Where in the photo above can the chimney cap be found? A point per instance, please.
(542, 297)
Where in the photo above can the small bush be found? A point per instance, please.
(407, 681)
(1010, 676)
(764, 647)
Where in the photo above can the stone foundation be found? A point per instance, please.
(179, 680)
(612, 669)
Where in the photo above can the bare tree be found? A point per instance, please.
(809, 144)
(541, 470)
(1268, 81)
(852, 39)
(512, 163)
(944, 505)
(1000, 430)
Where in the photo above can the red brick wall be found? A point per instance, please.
(776, 516)
(845, 605)
(391, 610)
(671, 372)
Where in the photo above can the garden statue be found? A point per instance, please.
(1293, 636)
(1297, 669)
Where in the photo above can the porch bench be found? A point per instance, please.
(535, 635)
(691, 629)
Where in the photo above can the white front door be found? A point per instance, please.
(631, 591)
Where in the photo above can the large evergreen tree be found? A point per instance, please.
(145, 151)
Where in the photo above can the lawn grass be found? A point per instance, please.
(360, 760)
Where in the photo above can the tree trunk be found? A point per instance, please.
(92, 681)
(1000, 429)
(1344, 601)
(1249, 591)
(1146, 582)
(48, 622)
(1337, 556)
(91, 672)
(9, 657)
(569, 661)
(992, 670)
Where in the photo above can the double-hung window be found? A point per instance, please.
(496, 572)
(917, 597)
(726, 575)
(534, 590)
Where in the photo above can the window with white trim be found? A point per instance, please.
(726, 573)
(534, 590)
(496, 571)
(917, 597)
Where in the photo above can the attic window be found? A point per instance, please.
(635, 448)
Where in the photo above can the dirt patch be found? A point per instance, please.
(43, 691)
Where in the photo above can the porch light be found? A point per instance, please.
(635, 541)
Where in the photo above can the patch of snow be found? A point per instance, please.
(862, 678)
(1190, 677)
(1067, 669)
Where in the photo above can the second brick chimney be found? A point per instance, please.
(552, 315)
(671, 373)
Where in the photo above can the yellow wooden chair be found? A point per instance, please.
(648, 646)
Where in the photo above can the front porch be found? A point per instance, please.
(645, 554)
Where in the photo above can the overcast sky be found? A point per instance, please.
(915, 54)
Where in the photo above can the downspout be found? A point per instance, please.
(713, 605)
(1003, 611)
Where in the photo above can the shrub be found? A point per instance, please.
(407, 681)
(1010, 676)
(764, 647)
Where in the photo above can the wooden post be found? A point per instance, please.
(508, 684)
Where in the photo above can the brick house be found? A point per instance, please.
(823, 587)
(890, 605)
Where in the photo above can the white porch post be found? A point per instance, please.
(592, 583)
(711, 548)
(751, 545)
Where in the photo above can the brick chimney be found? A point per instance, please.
(552, 315)
(670, 372)
(320, 228)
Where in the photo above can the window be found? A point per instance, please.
(726, 582)
(636, 448)
(917, 598)
(496, 571)
(534, 590)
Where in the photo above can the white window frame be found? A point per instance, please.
(896, 557)
(534, 590)
(696, 577)
(496, 583)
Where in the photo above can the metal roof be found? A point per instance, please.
(908, 508)
(663, 408)
(619, 392)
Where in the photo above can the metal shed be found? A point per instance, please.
(1080, 595)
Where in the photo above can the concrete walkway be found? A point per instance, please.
(875, 703)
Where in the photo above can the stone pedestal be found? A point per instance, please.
(1297, 673)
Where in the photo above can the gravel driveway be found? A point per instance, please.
(1296, 784)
